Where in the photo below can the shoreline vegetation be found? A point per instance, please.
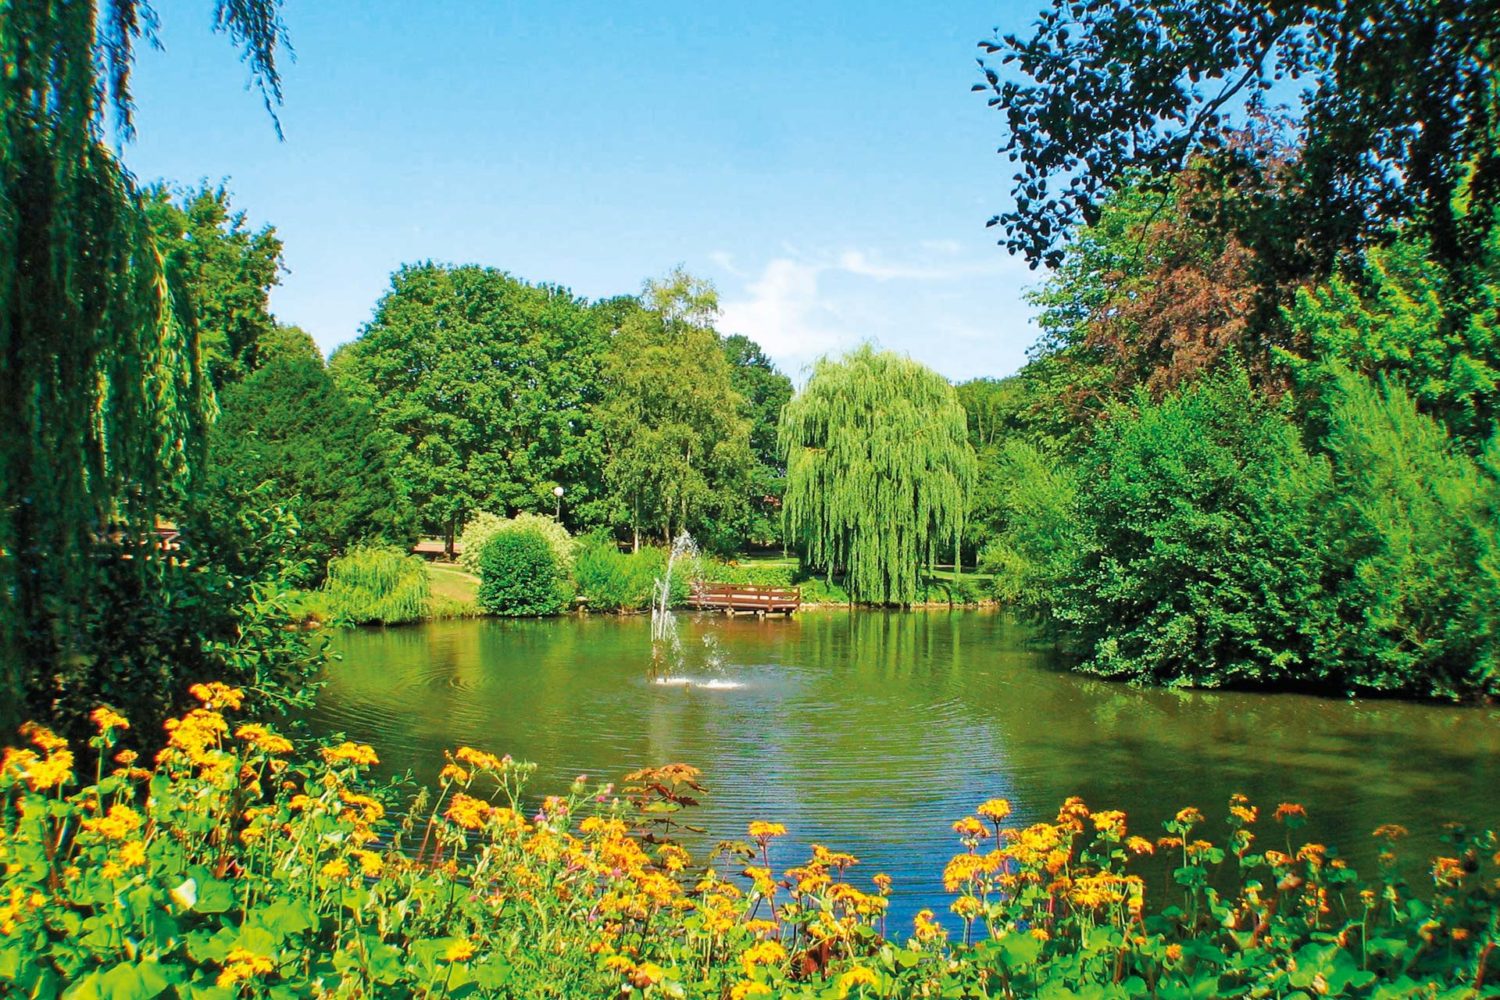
(257, 868)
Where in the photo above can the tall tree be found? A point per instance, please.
(488, 382)
(332, 466)
(1395, 118)
(678, 447)
(879, 469)
(227, 271)
(102, 396)
(765, 391)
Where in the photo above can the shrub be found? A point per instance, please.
(482, 527)
(1415, 524)
(377, 586)
(239, 867)
(1203, 556)
(518, 576)
(612, 580)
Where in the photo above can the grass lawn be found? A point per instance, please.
(453, 592)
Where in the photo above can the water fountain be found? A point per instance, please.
(666, 645)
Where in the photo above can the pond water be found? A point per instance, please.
(872, 732)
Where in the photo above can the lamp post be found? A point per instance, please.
(557, 491)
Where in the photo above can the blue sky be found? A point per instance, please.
(825, 164)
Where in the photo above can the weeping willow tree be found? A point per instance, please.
(102, 395)
(879, 469)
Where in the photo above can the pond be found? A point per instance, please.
(872, 732)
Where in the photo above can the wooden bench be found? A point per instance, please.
(738, 598)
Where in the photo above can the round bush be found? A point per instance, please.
(518, 576)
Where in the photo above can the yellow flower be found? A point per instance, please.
(1245, 814)
(762, 953)
(370, 863)
(967, 907)
(1447, 871)
(240, 965)
(748, 989)
(1390, 831)
(1140, 845)
(1174, 952)
(337, 868)
(111, 870)
(263, 739)
(926, 928)
(107, 719)
(763, 832)
(482, 761)
(969, 828)
(460, 950)
(647, 974)
(995, 810)
(1289, 809)
(56, 770)
(216, 695)
(43, 737)
(857, 976)
(133, 854)
(1110, 822)
(120, 822)
(354, 753)
(1189, 816)
(468, 812)
(452, 772)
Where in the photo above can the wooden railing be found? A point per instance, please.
(736, 598)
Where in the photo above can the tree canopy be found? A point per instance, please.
(226, 272)
(331, 465)
(678, 446)
(1393, 120)
(102, 393)
(879, 469)
(488, 382)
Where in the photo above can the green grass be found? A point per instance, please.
(453, 592)
(940, 586)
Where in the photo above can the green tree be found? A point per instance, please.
(489, 383)
(331, 465)
(1403, 317)
(765, 391)
(1394, 119)
(879, 469)
(102, 395)
(226, 271)
(678, 449)
(1415, 528)
(1202, 553)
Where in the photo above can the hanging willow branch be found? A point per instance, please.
(102, 396)
(879, 469)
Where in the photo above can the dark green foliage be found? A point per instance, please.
(1202, 557)
(765, 391)
(226, 273)
(1036, 535)
(379, 586)
(611, 580)
(1395, 112)
(519, 576)
(1415, 526)
(332, 466)
(102, 395)
(528, 357)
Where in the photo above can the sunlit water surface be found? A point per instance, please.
(872, 732)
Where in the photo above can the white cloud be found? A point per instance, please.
(960, 314)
